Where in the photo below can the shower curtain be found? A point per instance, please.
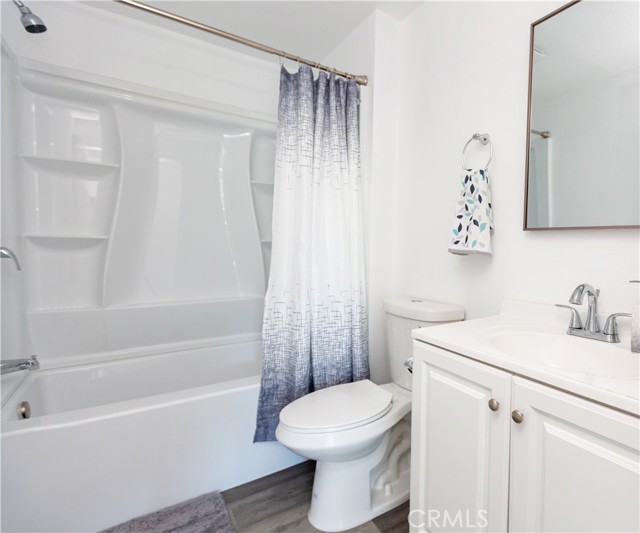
(315, 319)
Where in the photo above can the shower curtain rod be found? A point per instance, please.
(360, 79)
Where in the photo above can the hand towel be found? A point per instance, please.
(473, 224)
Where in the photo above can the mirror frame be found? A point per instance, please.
(529, 106)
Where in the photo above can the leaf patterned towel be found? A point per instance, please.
(474, 216)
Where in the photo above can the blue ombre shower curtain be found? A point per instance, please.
(315, 319)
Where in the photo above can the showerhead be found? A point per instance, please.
(32, 23)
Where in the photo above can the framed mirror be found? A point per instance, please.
(583, 140)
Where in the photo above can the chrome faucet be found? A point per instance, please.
(576, 298)
(591, 329)
(14, 365)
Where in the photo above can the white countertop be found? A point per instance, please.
(471, 339)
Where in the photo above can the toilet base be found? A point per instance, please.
(349, 493)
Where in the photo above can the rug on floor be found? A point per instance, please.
(204, 514)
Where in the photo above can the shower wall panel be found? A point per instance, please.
(185, 227)
(133, 202)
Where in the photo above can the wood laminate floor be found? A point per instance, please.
(280, 502)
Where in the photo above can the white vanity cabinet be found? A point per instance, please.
(570, 464)
(459, 446)
(574, 464)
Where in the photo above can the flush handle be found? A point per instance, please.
(408, 364)
(517, 416)
(494, 405)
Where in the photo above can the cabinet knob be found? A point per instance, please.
(517, 416)
(494, 405)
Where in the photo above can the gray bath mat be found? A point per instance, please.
(204, 514)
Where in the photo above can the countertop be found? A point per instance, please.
(471, 339)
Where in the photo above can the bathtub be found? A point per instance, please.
(112, 440)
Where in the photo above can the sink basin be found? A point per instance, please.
(566, 353)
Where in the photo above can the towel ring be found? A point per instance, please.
(484, 139)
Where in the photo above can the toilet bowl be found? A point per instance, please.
(348, 453)
(360, 433)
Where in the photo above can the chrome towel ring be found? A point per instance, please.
(484, 139)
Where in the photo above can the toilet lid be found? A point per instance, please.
(337, 408)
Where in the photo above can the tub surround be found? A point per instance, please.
(112, 249)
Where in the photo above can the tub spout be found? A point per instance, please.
(14, 365)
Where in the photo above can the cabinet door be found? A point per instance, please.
(460, 446)
(574, 464)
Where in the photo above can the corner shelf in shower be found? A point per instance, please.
(61, 237)
(47, 311)
(74, 166)
(265, 184)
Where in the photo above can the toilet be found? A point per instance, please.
(360, 433)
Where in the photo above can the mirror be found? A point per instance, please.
(583, 141)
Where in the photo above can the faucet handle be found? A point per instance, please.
(611, 326)
(576, 322)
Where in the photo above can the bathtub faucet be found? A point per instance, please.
(13, 365)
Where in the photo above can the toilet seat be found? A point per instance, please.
(337, 408)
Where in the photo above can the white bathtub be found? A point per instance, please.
(110, 441)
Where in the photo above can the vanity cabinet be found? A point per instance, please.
(460, 446)
(574, 464)
(496, 452)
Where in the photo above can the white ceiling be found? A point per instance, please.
(310, 29)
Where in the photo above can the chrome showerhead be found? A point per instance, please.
(32, 23)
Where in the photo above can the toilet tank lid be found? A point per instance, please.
(423, 310)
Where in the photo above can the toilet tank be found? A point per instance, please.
(405, 313)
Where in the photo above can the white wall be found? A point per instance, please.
(465, 70)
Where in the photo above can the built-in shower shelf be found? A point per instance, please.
(65, 309)
(70, 166)
(266, 242)
(264, 184)
(59, 237)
